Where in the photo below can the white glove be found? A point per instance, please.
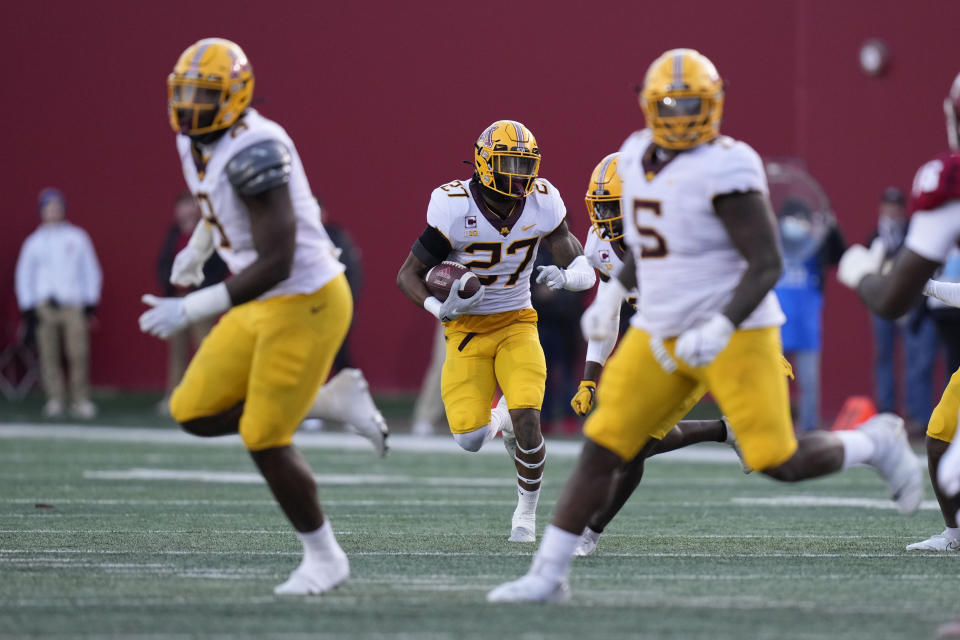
(700, 345)
(188, 264)
(552, 275)
(946, 292)
(858, 262)
(600, 321)
(166, 317)
(578, 276)
(948, 470)
(454, 306)
(170, 315)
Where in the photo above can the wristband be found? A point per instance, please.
(580, 275)
(433, 305)
(206, 302)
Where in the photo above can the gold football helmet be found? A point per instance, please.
(507, 158)
(682, 99)
(603, 199)
(209, 88)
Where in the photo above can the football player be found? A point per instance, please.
(704, 251)
(492, 223)
(286, 308)
(605, 250)
(934, 231)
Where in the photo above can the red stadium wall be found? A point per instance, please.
(385, 100)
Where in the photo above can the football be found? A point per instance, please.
(440, 277)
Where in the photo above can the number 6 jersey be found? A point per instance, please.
(687, 265)
(501, 251)
(315, 262)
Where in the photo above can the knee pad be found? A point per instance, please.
(472, 441)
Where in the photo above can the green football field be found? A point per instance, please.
(116, 532)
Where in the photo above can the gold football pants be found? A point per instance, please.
(503, 348)
(943, 422)
(272, 355)
(637, 399)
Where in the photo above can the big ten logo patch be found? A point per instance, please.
(470, 226)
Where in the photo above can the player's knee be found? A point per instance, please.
(181, 408)
(472, 441)
(258, 440)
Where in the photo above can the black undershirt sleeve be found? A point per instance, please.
(432, 247)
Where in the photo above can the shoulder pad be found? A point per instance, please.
(259, 167)
(936, 182)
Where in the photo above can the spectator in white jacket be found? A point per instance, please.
(58, 288)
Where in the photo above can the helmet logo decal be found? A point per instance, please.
(486, 138)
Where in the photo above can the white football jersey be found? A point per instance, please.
(602, 256)
(315, 259)
(687, 266)
(500, 251)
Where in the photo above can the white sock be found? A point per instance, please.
(555, 553)
(527, 500)
(952, 533)
(320, 543)
(857, 447)
(590, 534)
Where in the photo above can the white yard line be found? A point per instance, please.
(482, 554)
(707, 452)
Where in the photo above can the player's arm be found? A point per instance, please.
(566, 249)
(260, 174)
(751, 225)
(893, 294)
(430, 249)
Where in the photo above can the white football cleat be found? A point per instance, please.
(895, 461)
(316, 577)
(587, 543)
(531, 588)
(936, 542)
(523, 526)
(355, 407)
(732, 442)
(506, 426)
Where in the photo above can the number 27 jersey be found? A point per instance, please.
(500, 251)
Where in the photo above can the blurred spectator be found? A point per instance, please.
(58, 283)
(916, 328)
(186, 215)
(559, 327)
(806, 256)
(350, 257)
(429, 412)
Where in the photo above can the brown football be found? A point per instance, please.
(440, 277)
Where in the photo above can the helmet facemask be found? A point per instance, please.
(606, 215)
(681, 120)
(513, 170)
